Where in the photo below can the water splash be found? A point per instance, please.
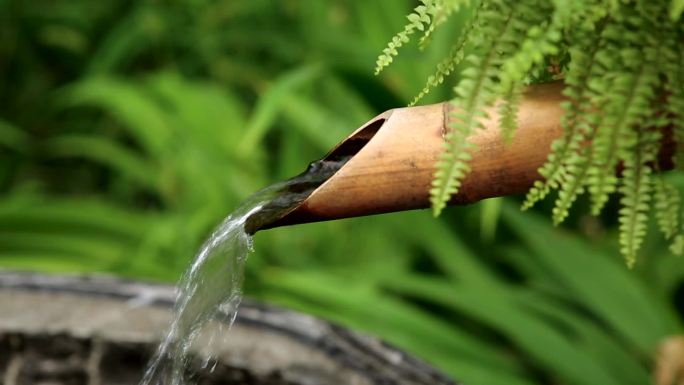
(211, 287)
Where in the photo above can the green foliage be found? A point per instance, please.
(498, 21)
(447, 65)
(422, 16)
(676, 9)
(635, 189)
(11, 137)
(673, 56)
(622, 55)
(426, 18)
(613, 345)
(569, 161)
(132, 130)
(667, 201)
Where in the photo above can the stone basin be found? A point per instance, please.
(99, 330)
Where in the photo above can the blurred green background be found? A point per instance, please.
(128, 129)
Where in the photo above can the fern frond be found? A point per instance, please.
(673, 55)
(570, 158)
(667, 197)
(667, 200)
(420, 19)
(578, 110)
(443, 10)
(632, 93)
(497, 38)
(449, 63)
(574, 172)
(541, 40)
(452, 166)
(616, 57)
(667, 207)
(582, 14)
(631, 58)
(635, 189)
(508, 111)
(576, 165)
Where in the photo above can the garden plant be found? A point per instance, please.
(128, 129)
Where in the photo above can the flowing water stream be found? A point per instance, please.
(211, 287)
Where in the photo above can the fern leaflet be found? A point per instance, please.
(418, 20)
(473, 93)
(667, 207)
(577, 112)
(636, 196)
(447, 65)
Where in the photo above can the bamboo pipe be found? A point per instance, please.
(394, 167)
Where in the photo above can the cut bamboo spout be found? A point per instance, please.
(394, 157)
(394, 167)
